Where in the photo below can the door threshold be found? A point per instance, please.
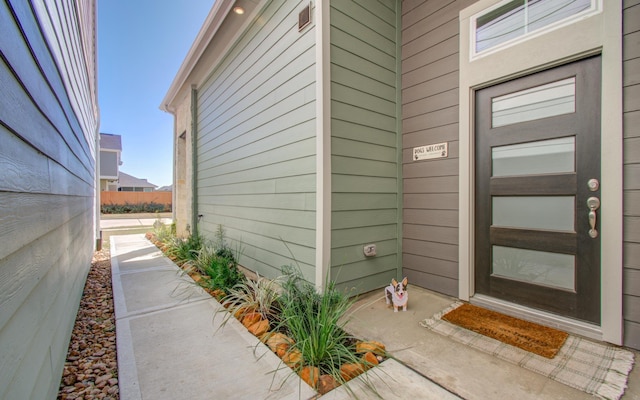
(569, 325)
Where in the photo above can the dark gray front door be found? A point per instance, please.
(537, 188)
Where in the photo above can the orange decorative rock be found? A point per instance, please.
(326, 383)
(250, 319)
(369, 360)
(292, 358)
(310, 374)
(259, 328)
(372, 346)
(349, 371)
(279, 343)
(241, 312)
(218, 294)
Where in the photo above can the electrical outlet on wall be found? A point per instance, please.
(369, 250)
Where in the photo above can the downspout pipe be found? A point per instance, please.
(98, 231)
(194, 161)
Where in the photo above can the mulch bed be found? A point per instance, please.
(91, 368)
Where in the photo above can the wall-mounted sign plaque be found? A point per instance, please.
(430, 151)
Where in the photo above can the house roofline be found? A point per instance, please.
(212, 23)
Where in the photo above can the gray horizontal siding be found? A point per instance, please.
(256, 144)
(364, 179)
(430, 115)
(108, 164)
(48, 117)
(631, 91)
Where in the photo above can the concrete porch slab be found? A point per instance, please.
(469, 373)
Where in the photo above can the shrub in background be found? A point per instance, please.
(129, 208)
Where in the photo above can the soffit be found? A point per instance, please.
(219, 31)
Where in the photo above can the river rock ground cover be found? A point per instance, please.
(91, 367)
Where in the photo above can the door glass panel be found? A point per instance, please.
(541, 157)
(534, 212)
(520, 17)
(555, 98)
(537, 267)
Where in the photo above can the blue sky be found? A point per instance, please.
(141, 45)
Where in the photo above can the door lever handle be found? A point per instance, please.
(593, 203)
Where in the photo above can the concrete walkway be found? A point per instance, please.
(170, 345)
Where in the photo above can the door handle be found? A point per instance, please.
(593, 203)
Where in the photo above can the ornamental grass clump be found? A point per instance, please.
(250, 298)
(315, 321)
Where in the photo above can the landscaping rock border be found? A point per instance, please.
(371, 353)
(91, 368)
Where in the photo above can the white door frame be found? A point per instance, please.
(599, 33)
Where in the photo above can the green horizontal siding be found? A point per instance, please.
(364, 179)
(256, 144)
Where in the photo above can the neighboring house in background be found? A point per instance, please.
(165, 188)
(479, 144)
(110, 161)
(48, 142)
(111, 178)
(128, 183)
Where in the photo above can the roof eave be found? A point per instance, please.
(209, 29)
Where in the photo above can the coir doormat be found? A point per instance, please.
(595, 368)
(526, 335)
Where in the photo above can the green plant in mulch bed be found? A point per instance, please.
(182, 250)
(221, 272)
(212, 265)
(217, 262)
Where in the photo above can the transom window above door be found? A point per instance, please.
(511, 21)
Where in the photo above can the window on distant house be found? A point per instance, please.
(512, 21)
